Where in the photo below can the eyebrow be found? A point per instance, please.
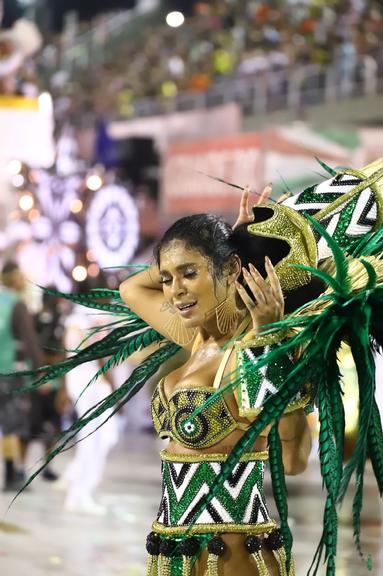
(180, 267)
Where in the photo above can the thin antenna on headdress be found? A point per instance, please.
(284, 182)
(286, 194)
(326, 167)
(230, 184)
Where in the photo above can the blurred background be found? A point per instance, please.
(114, 116)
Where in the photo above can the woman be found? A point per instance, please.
(243, 387)
(195, 296)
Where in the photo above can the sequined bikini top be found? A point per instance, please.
(171, 417)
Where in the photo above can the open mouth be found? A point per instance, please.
(185, 307)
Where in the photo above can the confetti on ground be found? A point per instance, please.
(12, 528)
(55, 560)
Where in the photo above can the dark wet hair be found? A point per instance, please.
(207, 233)
(215, 239)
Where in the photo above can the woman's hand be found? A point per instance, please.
(267, 306)
(245, 215)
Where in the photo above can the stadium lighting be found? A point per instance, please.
(18, 180)
(76, 206)
(26, 202)
(14, 167)
(90, 255)
(175, 19)
(33, 214)
(93, 270)
(45, 103)
(79, 273)
(94, 182)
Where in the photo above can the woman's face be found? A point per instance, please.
(188, 283)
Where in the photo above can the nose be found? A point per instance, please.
(178, 287)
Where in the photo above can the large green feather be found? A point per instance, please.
(347, 315)
(279, 487)
(132, 385)
(360, 348)
(126, 348)
(99, 349)
(91, 301)
(328, 463)
(375, 445)
(127, 390)
(370, 244)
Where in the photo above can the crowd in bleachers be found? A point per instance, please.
(232, 39)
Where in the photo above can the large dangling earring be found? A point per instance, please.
(227, 312)
(177, 331)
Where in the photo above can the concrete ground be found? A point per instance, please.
(38, 538)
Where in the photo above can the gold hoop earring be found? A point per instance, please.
(227, 314)
(177, 331)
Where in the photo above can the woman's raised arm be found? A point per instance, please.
(143, 294)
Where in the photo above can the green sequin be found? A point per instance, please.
(256, 385)
(204, 474)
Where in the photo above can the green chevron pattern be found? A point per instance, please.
(240, 500)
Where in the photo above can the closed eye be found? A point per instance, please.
(165, 280)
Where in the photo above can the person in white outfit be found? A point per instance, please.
(84, 472)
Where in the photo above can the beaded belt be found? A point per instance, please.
(238, 507)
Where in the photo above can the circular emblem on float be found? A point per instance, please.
(112, 226)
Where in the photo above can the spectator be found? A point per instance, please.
(227, 40)
(85, 470)
(45, 412)
(19, 344)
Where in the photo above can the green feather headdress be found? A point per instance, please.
(349, 310)
(126, 334)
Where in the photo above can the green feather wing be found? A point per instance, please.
(349, 314)
(279, 487)
(113, 402)
(375, 445)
